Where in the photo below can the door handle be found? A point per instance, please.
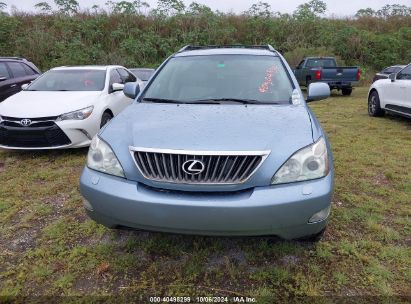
(13, 85)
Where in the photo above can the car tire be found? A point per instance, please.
(307, 81)
(346, 91)
(374, 107)
(105, 119)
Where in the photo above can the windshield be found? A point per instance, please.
(70, 80)
(144, 75)
(222, 77)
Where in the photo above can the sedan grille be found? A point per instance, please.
(41, 135)
(197, 167)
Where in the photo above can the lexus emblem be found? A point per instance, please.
(193, 167)
(25, 122)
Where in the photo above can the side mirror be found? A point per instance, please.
(2, 78)
(25, 86)
(318, 91)
(117, 87)
(392, 76)
(131, 89)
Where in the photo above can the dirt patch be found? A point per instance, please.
(234, 256)
(381, 180)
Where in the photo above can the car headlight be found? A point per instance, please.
(308, 163)
(77, 115)
(101, 158)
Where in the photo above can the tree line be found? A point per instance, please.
(132, 33)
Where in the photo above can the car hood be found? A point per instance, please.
(280, 129)
(32, 104)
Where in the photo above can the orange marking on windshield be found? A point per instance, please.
(268, 80)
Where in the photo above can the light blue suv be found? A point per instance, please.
(219, 142)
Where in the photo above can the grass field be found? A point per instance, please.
(49, 247)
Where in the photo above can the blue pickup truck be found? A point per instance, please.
(325, 69)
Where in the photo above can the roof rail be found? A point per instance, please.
(11, 57)
(199, 47)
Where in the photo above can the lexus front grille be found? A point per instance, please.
(197, 167)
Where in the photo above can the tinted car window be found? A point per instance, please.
(70, 80)
(4, 72)
(391, 70)
(191, 78)
(29, 70)
(405, 73)
(17, 69)
(321, 63)
(126, 76)
(144, 75)
(397, 69)
(388, 70)
(115, 77)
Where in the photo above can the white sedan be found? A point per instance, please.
(64, 108)
(391, 95)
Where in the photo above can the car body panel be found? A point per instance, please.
(336, 76)
(43, 104)
(387, 71)
(254, 207)
(208, 128)
(282, 210)
(394, 96)
(13, 84)
(39, 104)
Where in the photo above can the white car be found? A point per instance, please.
(63, 108)
(391, 95)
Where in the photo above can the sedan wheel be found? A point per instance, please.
(374, 108)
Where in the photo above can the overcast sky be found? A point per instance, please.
(335, 7)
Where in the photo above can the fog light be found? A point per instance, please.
(85, 133)
(87, 205)
(320, 216)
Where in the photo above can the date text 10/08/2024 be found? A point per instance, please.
(207, 299)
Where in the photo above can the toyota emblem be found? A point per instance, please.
(25, 122)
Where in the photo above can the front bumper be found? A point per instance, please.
(282, 210)
(56, 135)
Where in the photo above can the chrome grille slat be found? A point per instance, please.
(215, 168)
(141, 161)
(240, 166)
(248, 169)
(151, 165)
(208, 169)
(173, 171)
(157, 163)
(227, 176)
(179, 163)
(219, 167)
(220, 176)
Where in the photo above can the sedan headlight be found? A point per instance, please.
(308, 163)
(77, 115)
(101, 158)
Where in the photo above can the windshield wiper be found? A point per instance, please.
(239, 100)
(163, 100)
